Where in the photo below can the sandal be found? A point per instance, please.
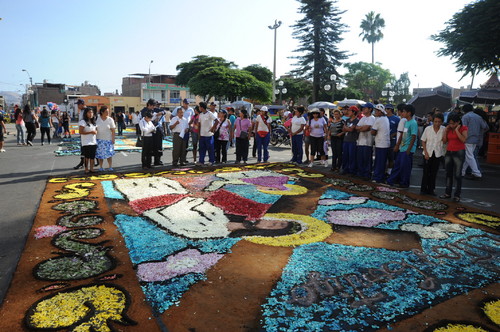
(445, 196)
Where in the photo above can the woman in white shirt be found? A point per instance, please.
(179, 127)
(105, 138)
(262, 134)
(434, 150)
(147, 130)
(88, 133)
(318, 127)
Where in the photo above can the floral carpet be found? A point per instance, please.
(71, 146)
(266, 247)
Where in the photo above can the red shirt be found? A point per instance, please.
(454, 143)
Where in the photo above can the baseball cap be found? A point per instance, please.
(80, 102)
(354, 109)
(185, 101)
(391, 106)
(380, 107)
(314, 110)
(213, 104)
(264, 109)
(369, 105)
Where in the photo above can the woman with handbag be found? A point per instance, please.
(263, 134)
(221, 136)
(241, 131)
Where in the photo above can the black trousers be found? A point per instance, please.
(337, 144)
(242, 145)
(31, 131)
(45, 131)
(147, 151)
(220, 151)
(157, 145)
(431, 168)
(254, 146)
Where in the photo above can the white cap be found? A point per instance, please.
(264, 109)
(380, 107)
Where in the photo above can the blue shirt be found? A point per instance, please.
(411, 128)
(393, 125)
(477, 127)
(44, 122)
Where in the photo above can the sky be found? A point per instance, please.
(102, 41)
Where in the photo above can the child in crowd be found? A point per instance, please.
(404, 159)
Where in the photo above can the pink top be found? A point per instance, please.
(195, 125)
(242, 125)
(19, 119)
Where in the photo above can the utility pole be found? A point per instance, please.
(274, 27)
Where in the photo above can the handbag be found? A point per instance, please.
(37, 124)
(243, 134)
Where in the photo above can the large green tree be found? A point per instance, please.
(187, 70)
(472, 38)
(229, 83)
(319, 33)
(368, 79)
(371, 27)
(261, 73)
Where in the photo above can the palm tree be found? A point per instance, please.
(372, 26)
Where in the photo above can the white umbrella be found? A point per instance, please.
(240, 103)
(322, 104)
(350, 102)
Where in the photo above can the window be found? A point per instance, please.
(175, 94)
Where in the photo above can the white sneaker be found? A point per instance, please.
(2, 150)
(325, 163)
(310, 165)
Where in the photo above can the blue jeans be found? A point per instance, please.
(380, 163)
(207, 144)
(20, 133)
(349, 158)
(262, 144)
(402, 169)
(297, 149)
(364, 160)
(453, 163)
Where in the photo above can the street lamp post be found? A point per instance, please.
(274, 27)
(334, 84)
(149, 79)
(387, 92)
(281, 90)
(30, 89)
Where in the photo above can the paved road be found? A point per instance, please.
(24, 171)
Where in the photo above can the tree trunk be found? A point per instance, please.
(316, 78)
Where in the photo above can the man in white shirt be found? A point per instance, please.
(167, 116)
(206, 142)
(213, 108)
(80, 108)
(135, 123)
(382, 131)
(179, 127)
(364, 149)
(147, 130)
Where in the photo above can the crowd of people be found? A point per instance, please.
(374, 142)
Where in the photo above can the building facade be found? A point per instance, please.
(161, 88)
